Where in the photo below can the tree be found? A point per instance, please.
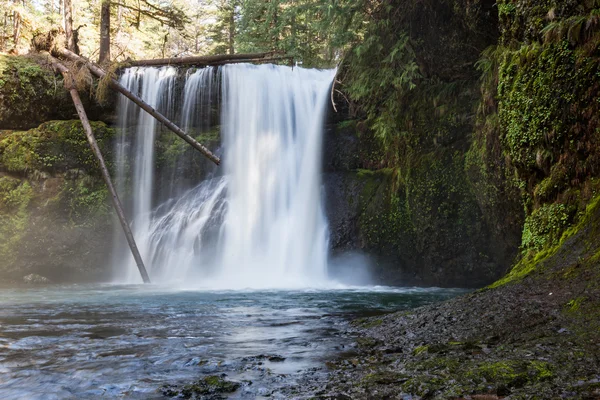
(68, 24)
(17, 19)
(223, 30)
(135, 12)
(315, 32)
(104, 32)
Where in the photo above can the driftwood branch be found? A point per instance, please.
(100, 73)
(70, 85)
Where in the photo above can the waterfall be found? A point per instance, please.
(256, 221)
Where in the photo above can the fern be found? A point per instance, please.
(577, 29)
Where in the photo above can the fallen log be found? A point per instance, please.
(290, 61)
(199, 60)
(100, 73)
(70, 85)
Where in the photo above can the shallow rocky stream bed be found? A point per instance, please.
(145, 342)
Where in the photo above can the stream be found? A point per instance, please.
(125, 341)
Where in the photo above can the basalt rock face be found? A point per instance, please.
(425, 229)
(402, 178)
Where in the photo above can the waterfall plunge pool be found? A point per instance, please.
(125, 341)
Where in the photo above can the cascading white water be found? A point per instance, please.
(261, 223)
(156, 87)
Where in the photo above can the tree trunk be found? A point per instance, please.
(231, 28)
(68, 6)
(142, 104)
(201, 60)
(3, 36)
(105, 174)
(16, 28)
(104, 57)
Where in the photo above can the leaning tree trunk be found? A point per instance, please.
(105, 174)
(104, 57)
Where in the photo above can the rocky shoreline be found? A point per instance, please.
(533, 335)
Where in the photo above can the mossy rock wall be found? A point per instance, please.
(54, 209)
(424, 228)
(487, 115)
(548, 102)
(31, 93)
(428, 213)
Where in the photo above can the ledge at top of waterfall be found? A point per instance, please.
(261, 223)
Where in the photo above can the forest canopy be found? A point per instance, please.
(315, 32)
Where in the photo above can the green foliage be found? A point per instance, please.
(383, 70)
(576, 29)
(547, 107)
(545, 225)
(314, 32)
(506, 9)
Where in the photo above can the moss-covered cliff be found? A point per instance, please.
(55, 218)
(438, 217)
(483, 118)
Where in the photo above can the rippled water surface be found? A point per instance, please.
(80, 342)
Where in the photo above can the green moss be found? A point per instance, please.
(524, 267)
(86, 198)
(533, 260)
(170, 148)
(575, 304)
(15, 196)
(512, 373)
(547, 106)
(367, 322)
(383, 378)
(209, 385)
(384, 218)
(420, 349)
(53, 146)
(29, 93)
(367, 342)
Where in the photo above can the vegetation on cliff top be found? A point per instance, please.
(29, 93)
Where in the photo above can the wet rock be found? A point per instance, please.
(209, 387)
(35, 279)
(268, 357)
